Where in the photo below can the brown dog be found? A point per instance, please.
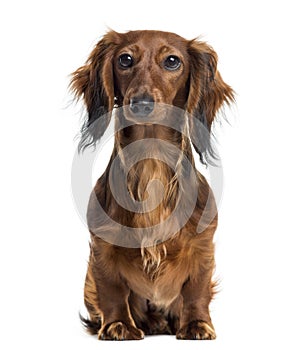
(150, 268)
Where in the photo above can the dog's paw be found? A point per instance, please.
(197, 330)
(120, 331)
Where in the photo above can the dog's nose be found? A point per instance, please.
(141, 106)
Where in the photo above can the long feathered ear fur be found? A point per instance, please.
(207, 93)
(94, 82)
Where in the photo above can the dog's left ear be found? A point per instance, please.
(207, 93)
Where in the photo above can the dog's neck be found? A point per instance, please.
(151, 156)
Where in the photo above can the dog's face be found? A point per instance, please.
(151, 67)
(140, 70)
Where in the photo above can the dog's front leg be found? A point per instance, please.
(112, 296)
(195, 320)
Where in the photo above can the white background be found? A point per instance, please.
(44, 245)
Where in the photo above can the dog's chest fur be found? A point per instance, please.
(152, 169)
(154, 188)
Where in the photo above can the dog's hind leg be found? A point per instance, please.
(93, 324)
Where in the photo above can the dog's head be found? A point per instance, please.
(141, 69)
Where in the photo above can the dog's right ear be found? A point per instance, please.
(94, 82)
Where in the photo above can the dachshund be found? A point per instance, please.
(151, 215)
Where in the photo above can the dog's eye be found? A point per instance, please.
(172, 63)
(125, 61)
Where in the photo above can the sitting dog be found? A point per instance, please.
(151, 215)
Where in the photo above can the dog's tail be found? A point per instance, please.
(92, 327)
